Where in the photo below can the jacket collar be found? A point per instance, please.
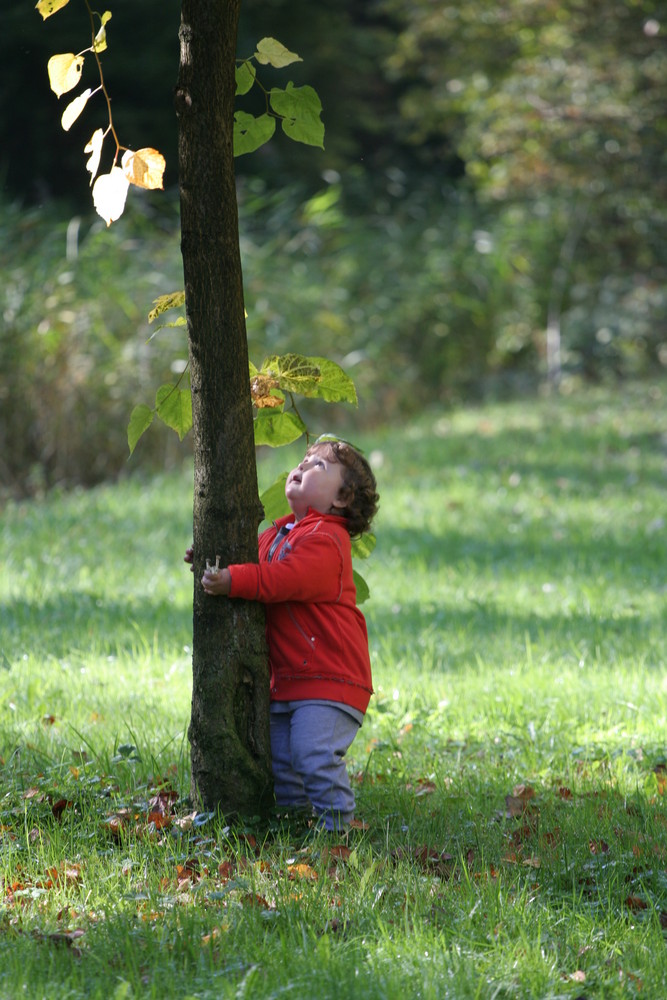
(311, 515)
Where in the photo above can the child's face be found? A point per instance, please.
(316, 482)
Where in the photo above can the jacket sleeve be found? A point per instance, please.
(311, 572)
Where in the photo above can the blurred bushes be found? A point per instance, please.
(73, 351)
(421, 294)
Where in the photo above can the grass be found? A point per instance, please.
(510, 773)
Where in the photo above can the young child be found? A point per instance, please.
(318, 645)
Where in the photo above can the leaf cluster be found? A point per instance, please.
(297, 108)
(143, 168)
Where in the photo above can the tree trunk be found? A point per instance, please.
(229, 726)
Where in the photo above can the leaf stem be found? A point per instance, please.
(102, 86)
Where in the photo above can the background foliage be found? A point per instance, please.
(490, 173)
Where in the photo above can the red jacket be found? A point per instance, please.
(318, 645)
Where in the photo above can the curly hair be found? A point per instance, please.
(359, 489)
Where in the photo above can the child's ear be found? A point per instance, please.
(344, 498)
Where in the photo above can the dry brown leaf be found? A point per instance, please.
(598, 846)
(260, 391)
(253, 899)
(145, 168)
(59, 807)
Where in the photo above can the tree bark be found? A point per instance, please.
(229, 725)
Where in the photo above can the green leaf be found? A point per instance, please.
(334, 385)
(245, 77)
(293, 372)
(274, 500)
(300, 109)
(363, 546)
(181, 321)
(100, 43)
(363, 593)
(273, 53)
(140, 420)
(174, 408)
(311, 376)
(250, 133)
(173, 300)
(276, 429)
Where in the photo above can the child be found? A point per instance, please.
(318, 645)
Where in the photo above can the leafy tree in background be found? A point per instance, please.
(557, 110)
(494, 176)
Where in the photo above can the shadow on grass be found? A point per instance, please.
(451, 637)
(91, 624)
(618, 551)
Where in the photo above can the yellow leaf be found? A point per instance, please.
(272, 52)
(74, 109)
(64, 72)
(94, 147)
(144, 168)
(109, 194)
(48, 7)
(302, 871)
(100, 43)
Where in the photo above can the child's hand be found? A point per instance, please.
(217, 582)
(189, 557)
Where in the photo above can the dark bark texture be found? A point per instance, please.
(229, 725)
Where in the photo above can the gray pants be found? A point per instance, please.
(308, 745)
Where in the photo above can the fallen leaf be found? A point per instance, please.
(159, 819)
(523, 833)
(425, 787)
(598, 846)
(517, 803)
(253, 899)
(340, 851)
(59, 807)
(226, 870)
(302, 871)
(185, 823)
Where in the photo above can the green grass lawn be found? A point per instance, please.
(510, 774)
